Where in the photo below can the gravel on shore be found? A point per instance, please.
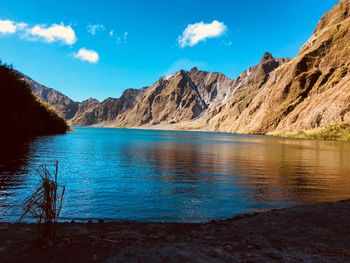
(312, 233)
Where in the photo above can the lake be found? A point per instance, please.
(148, 175)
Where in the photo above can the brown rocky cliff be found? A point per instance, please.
(169, 100)
(243, 91)
(93, 112)
(311, 90)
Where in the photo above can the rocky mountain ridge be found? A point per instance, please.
(311, 90)
(88, 112)
(277, 95)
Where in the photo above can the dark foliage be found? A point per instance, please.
(22, 114)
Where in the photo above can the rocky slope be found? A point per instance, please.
(181, 97)
(198, 99)
(310, 91)
(277, 95)
(22, 114)
(64, 105)
(89, 112)
(92, 111)
(244, 90)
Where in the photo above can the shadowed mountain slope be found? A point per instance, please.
(22, 113)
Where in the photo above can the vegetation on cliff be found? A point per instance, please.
(22, 112)
(336, 132)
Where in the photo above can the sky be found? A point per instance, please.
(99, 48)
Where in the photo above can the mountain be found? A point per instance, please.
(22, 113)
(92, 111)
(243, 92)
(66, 107)
(174, 99)
(89, 112)
(311, 90)
(198, 99)
(276, 96)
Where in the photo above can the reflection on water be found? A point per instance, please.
(120, 174)
(14, 156)
(13, 160)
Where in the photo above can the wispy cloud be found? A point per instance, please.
(87, 55)
(93, 28)
(120, 38)
(194, 33)
(7, 27)
(53, 33)
(123, 38)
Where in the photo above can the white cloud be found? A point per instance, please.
(87, 55)
(53, 33)
(111, 33)
(92, 29)
(194, 33)
(7, 27)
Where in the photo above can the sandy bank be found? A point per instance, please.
(315, 233)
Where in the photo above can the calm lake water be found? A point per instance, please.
(121, 174)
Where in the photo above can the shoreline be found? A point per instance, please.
(317, 232)
(336, 132)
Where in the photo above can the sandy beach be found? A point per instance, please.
(313, 233)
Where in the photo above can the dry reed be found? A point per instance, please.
(45, 204)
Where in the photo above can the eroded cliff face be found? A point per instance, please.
(310, 91)
(93, 112)
(200, 99)
(183, 97)
(244, 89)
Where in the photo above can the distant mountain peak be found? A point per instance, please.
(266, 57)
(194, 69)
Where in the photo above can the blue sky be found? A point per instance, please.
(99, 48)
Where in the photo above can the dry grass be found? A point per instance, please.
(45, 204)
(337, 132)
